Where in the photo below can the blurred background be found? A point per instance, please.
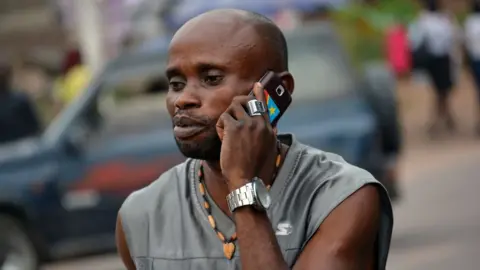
(83, 124)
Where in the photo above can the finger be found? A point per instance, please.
(226, 122)
(220, 127)
(238, 108)
(259, 93)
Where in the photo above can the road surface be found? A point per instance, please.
(437, 224)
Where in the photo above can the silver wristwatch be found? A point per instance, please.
(254, 193)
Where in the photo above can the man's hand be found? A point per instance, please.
(247, 141)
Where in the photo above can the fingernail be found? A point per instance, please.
(258, 85)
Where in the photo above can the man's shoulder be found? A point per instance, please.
(145, 205)
(326, 166)
(160, 189)
(329, 178)
(325, 181)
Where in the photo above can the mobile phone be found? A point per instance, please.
(276, 96)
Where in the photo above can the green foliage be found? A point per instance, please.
(362, 27)
(402, 11)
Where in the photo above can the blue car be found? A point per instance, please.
(60, 192)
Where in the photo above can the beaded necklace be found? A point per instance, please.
(228, 244)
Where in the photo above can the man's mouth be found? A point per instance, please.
(185, 127)
(186, 132)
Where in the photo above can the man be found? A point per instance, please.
(18, 118)
(320, 212)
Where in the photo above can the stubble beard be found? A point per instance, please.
(206, 149)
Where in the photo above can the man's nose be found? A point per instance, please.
(188, 99)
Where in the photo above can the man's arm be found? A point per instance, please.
(346, 239)
(257, 241)
(122, 246)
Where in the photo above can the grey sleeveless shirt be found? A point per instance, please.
(166, 226)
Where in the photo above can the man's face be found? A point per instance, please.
(211, 60)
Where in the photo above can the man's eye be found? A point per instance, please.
(176, 86)
(213, 80)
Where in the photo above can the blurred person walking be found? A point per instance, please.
(18, 117)
(74, 78)
(433, 43)
(398, 50)
(472, 47)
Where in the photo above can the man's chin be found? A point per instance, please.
(203, 150)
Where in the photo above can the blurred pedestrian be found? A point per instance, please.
(18, 117)
(433, 46)
(472, 46)
(72, 58)
(398, 50)
(216, 205)
(73, 80)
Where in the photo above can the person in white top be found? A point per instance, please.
(434, 34)
(472, 46)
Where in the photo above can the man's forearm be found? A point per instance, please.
(258, 244)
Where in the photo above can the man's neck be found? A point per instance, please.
(213, 170)
(217, 186)
(216, 183)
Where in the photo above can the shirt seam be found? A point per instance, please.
(290, 174)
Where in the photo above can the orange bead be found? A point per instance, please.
(206, 205)
(220, 235)
(201, 188)
(212, 221)
(279, 159)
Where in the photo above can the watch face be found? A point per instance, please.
(262, 193)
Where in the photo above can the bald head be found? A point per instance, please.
(212, 59)
(225, 25)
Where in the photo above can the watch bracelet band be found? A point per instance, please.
(240, 197)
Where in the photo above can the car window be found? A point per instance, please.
(319, 68)
(132, 104)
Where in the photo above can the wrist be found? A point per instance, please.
(246, 210)
(235, 183)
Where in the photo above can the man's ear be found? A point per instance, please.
(288, 81)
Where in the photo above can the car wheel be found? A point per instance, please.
(17, 251)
